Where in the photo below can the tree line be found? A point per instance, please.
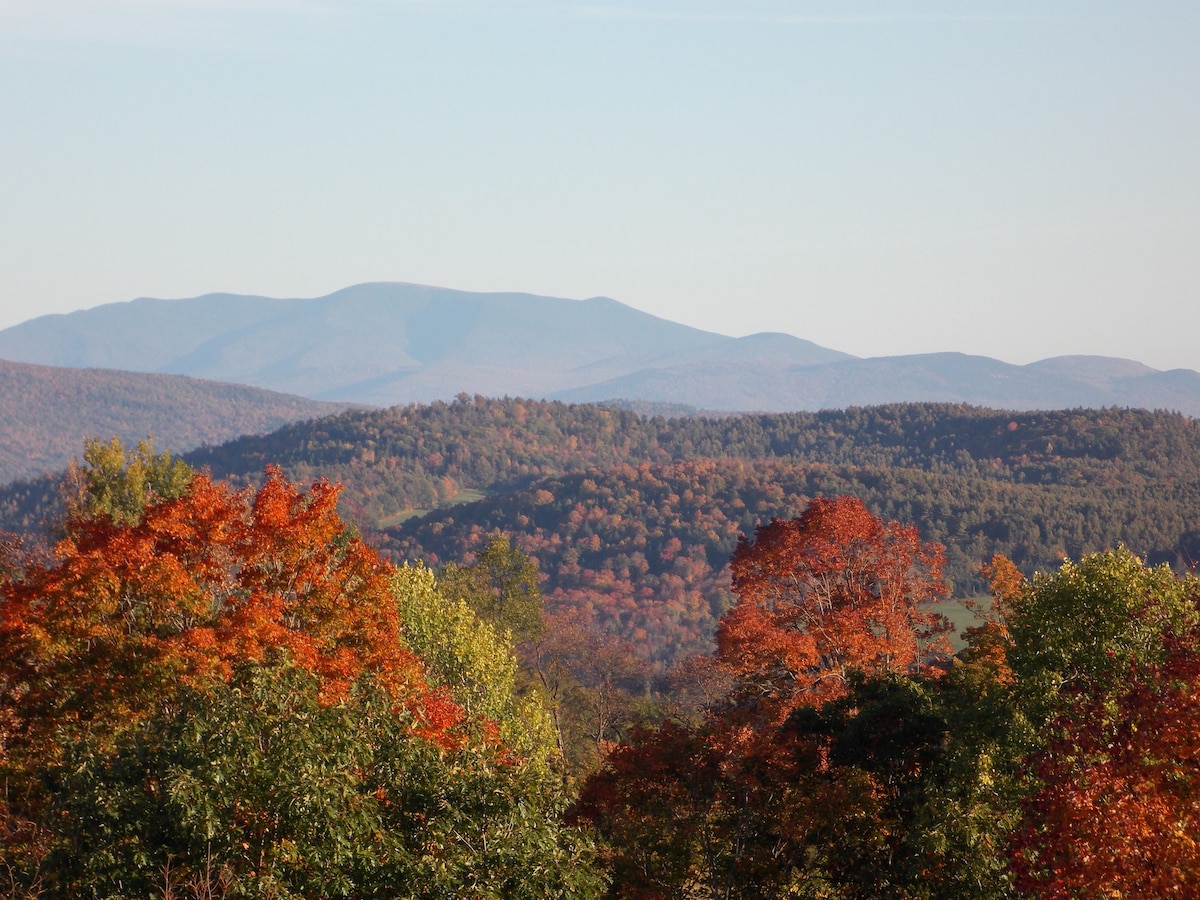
(644, 550)
(1036, 486)
(48, 411)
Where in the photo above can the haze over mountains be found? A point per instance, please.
(391, 343)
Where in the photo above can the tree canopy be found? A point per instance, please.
(832, 591)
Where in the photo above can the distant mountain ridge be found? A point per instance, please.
(47, 412)
(1058, 383)
(391, 343)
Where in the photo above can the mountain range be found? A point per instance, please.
(391, 343)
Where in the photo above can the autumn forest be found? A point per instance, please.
(511, 648)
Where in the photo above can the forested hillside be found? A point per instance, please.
(46, 412)
(632, 519)
(422, 454)
(647, 547)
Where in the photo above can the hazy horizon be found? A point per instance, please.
(1013, 180)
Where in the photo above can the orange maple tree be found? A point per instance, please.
(230, 691)
(97, 637)
(834, 590)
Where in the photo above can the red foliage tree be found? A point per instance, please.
(653, 801)
(1118, 812)
(747, 801)
(833, 590)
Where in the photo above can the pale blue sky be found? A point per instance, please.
(1009, 178)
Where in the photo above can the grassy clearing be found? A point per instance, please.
(963, 614)
(467, 496)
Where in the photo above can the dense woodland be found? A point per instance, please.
(1035, 486)
(207, 692)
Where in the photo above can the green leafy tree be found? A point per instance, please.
(261, 790)
(474, 661)
(118, 482)
(1082, 628)
(501, 586)
(1106, 655)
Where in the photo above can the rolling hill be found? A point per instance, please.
(46, 413)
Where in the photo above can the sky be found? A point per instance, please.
(1007, 178)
